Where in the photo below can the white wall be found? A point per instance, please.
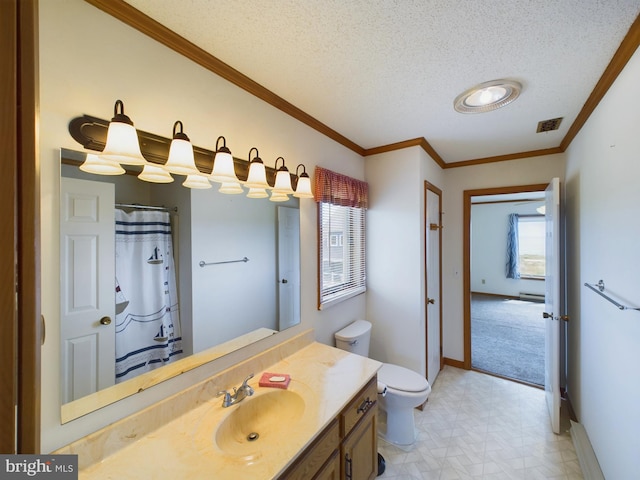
(527, 171)
(603, 232)
(489, 231)
(232, 299)
(87, 61)
(395, 255)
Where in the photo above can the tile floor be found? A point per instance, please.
(476, 426)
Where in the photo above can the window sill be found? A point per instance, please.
(531, 277)
(333, 301)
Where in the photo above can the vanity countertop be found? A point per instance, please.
(325, 377)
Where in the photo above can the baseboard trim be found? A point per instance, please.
(586, 456)
(497, 295)
(453, 363)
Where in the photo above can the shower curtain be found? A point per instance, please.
(148, 333)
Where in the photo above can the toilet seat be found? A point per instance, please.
(401, 378)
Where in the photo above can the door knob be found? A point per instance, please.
(284, 280)
(564, 317)
(431, 300)
(105, 321)
(547, 315)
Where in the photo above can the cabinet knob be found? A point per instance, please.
(431, 300)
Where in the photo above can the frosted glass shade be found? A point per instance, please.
(122, 145)
(257, 177)
(257, 193)
(181, 160)
(231, 188)
(278, 197)
(100, 166)
(303, 188)
(223, 169)
(197, 181)
(155, 174)
(283, 182)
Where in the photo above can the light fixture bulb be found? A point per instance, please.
(283, 179)
(197, 181)
(231, 188)
(122, 144)
(155, 174)
(181, 160)
(278, 197)
(303, 187)
(257, 193)
(257, 177)
(223, 168)
(100, 166)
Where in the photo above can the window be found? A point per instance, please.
(531, 245)
(342, 203)
(342, 252)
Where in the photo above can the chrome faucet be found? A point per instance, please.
(238, 395)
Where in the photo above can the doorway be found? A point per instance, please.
(504, 331)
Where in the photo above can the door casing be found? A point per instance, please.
(432, 188)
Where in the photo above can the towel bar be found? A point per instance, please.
(599, 289)
(204, 264)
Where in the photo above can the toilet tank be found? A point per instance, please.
(355, 337)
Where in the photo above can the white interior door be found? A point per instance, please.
(87, 283)
(288, 267)
(434, 311)
(553, 302)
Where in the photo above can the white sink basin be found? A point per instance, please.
(265, 418)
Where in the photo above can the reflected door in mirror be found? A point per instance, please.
(87, 287)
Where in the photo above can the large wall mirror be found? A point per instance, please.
(219, 272)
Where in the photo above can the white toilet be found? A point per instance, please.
(405, 391)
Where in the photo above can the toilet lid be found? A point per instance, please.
(400, 378)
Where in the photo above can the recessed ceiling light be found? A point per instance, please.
(487, 96)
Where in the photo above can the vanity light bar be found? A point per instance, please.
(91, 133)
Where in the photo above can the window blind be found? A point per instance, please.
(342, 253)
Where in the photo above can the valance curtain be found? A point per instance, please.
(338, 189)
(513, 269)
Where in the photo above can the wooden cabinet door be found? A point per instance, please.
(359, 451)
(331, 470)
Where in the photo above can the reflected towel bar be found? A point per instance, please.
(599, 289)
(204, 264)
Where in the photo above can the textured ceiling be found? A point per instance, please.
(385, 71)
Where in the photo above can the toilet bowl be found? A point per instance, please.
(405, 389)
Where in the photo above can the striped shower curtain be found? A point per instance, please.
(148, 331)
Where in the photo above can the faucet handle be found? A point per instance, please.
(244, 384)
(226, 394)
(227, 397)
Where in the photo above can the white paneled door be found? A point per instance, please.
(288, 267)
(87, 287)
(553, 302)
(433, 281)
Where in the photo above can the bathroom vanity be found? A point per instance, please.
(322, 426)
(347, 449)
